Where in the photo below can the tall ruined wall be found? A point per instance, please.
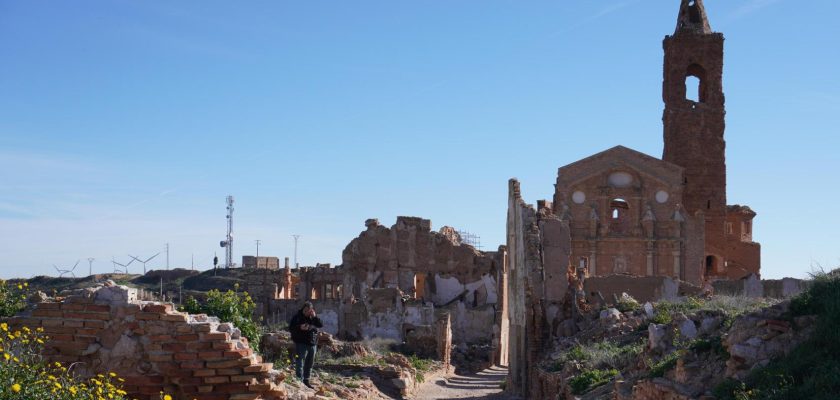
(525, 307)
(152, 347)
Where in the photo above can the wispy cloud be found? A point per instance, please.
(186, 43)
(752, 6)
(598, 15)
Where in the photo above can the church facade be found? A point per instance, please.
(632, 213)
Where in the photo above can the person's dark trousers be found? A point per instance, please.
(304, 358)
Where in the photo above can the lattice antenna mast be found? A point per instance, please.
(228, 242)
(296, 244)
(90, 265)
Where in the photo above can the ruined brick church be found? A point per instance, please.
(628, 212)
(621, 213)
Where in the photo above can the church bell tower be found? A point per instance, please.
(694, 117)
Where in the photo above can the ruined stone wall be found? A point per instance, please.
(281, 311)
(642, 288)
(752, 286)
(152, 347)
(407, 273)
(742, 253)
(526, 289)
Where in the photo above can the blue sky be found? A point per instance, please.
(124, 124)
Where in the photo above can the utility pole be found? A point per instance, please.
(167, 256)
(296, 244)
(90, 265)
(192, 261)
(258, 248)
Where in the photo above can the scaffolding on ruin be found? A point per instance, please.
(470, 238)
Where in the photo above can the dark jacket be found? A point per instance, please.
(309, 337)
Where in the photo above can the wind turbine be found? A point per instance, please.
(143, 262)
(62, 272)
(121, 265)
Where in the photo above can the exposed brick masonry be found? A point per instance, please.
(153, 347)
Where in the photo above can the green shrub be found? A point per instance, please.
(812, 369)
(600, 355)
(628, 304)
(421, 366)
(24, 374)
(12, 297)
(662, 316)
(714, 344)
(230, 306)
(591, 378)
(667, 363)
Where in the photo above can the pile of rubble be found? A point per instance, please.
(669, 350)
(373, 375)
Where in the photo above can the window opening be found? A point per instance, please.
(693, 12)
(692, 88)
(619, 208)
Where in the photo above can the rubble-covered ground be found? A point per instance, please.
(353, 370)
(717, 347)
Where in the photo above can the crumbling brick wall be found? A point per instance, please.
(393, 275)
(153, 347)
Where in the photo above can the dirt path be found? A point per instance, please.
(483, 385)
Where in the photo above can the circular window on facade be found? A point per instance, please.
(620, 179)
(661, 196)
(578, 197)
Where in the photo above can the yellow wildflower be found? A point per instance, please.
(16, 387)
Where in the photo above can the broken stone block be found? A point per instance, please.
(687, 329)
(610, 314)
(648, 309)
(656, 336)
(709, 324)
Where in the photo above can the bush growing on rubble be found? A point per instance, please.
(600, 355)
(812, 369)
(627, 303)
(591, 378)
(236, 308)
(26, 375)
(12, 298)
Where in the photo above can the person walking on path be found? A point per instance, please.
(304, 327)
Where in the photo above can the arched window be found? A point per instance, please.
(695, 83)
(619, 208)
(692, 88)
